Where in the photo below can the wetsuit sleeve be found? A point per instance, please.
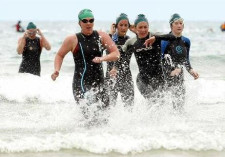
(115, 63)
(125, 52)
(163, 47)
(167, 37)
(187, 63)
(127, 43)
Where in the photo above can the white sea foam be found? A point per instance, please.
(38, 114)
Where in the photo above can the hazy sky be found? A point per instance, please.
(108, 10)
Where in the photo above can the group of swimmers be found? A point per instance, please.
(160, 59)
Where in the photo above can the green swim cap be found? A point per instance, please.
(31, 25)
(140, 18)
(85, 13)
(122, 16)
(174, 18)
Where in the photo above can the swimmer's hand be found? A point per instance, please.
(39, 32)
(175, 72)
(149, 41)
(25, 35)
(55, 75)
(194, 74)
(97, 60)
(113, 72)
(132, 28)
(113, 29)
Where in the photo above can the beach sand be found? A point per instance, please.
(152, 153)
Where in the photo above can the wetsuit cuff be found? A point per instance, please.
(190, 70)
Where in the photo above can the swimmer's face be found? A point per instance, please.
(177, 27)
(122, 27)
(87, 25)
(142, 29)
(31, 32)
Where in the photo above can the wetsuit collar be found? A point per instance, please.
(87, 36)
(115, 37)
(176, 35)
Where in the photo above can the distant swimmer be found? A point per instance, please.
(222, 27)
(210, 30)
(87, 49)
(19, 28)
(30, 46)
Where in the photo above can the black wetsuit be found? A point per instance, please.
(123, 83)
(88, 77)
(31, 57)
(119, 42)
(150, 77)
(176, 55)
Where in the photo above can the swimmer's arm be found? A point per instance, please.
(194, 73)
(107, 42)
(125, 53)
(21, 44)
(158, 38)
(167, 37)
(43, 40)
(128, 44)
(67, 46)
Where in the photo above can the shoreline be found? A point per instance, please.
(151, 153)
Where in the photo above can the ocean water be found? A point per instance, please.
(39, 117)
